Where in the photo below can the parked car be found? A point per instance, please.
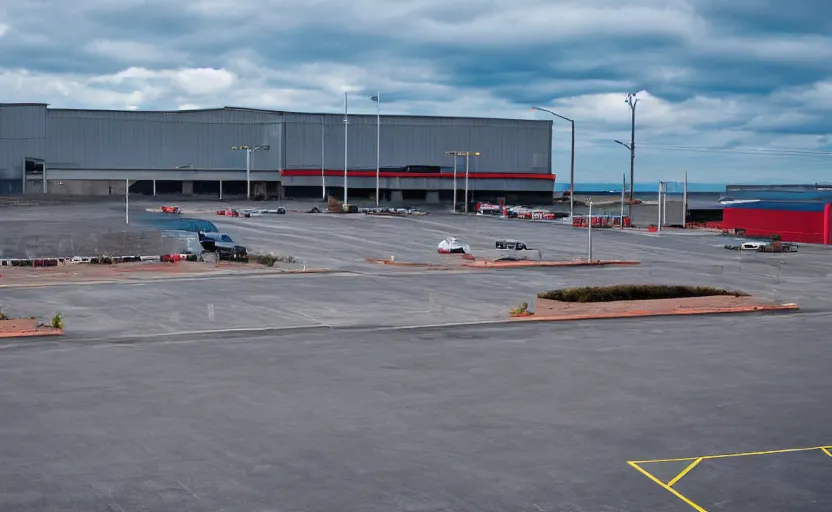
(223, 245)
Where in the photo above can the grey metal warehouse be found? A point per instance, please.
(189, 152)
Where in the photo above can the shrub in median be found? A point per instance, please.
(634, 292)
(270, 259)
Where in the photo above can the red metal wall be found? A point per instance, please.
(792, 226)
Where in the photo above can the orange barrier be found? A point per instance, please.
(601, 221)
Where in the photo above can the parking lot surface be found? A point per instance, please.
(333, 392)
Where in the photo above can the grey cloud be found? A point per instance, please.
(712, 66)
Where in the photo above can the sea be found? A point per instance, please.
(602, 188)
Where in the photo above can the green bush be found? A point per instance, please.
(270, 259)
(3, 316)
(634, 292)
(521, 309)
(57, 321)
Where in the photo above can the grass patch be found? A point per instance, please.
(634, 292)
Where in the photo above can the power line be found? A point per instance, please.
(740, 151)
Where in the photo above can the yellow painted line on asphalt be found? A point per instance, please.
(694, 461)
(684, 472)
(727, 455)
(667, 487)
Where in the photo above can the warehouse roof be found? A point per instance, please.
(280, 112)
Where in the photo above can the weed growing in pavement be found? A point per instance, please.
(522, 309)
(57, 321)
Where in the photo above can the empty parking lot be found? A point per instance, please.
(329, 392)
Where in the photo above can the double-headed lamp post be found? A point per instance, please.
(467, 155)
(572, 162)
(249, 150)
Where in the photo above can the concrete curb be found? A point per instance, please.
(47, 331)
(88, 260)
(639, 314)
(490, 265)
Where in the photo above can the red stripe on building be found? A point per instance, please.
(443, 175)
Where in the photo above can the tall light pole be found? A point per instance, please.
(346, 124)
(249, 150)
(467, 155)
(632, 101)
(453, 154)
(377, 99)
(572, 164)
(630, 202)
(323, 158)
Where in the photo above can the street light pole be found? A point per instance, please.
(346, 124)
(467, 155)
(127, 201)
(632, 101)
(248, 174)
(377, 99)
(454, 155)
(249, 150)
(323, 158)
(589, 233)
(572, 162)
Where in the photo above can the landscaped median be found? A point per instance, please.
(627, 301)
(28, 327)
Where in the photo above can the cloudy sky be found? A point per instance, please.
(731, 90)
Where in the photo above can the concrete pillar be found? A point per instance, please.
(396, 196)
(220, 189)
(188, 188)
(432, 196)
(154, 188)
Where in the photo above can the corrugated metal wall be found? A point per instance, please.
(203, 139)
(160, 140)
(22, 134)
(506, 145)
(807, 225)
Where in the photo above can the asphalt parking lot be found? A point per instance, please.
(329, 392)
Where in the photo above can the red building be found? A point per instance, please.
(794, 222)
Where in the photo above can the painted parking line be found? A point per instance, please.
(694, 461)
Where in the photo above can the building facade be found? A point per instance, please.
(94, 152)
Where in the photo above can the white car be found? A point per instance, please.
(453, 246)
